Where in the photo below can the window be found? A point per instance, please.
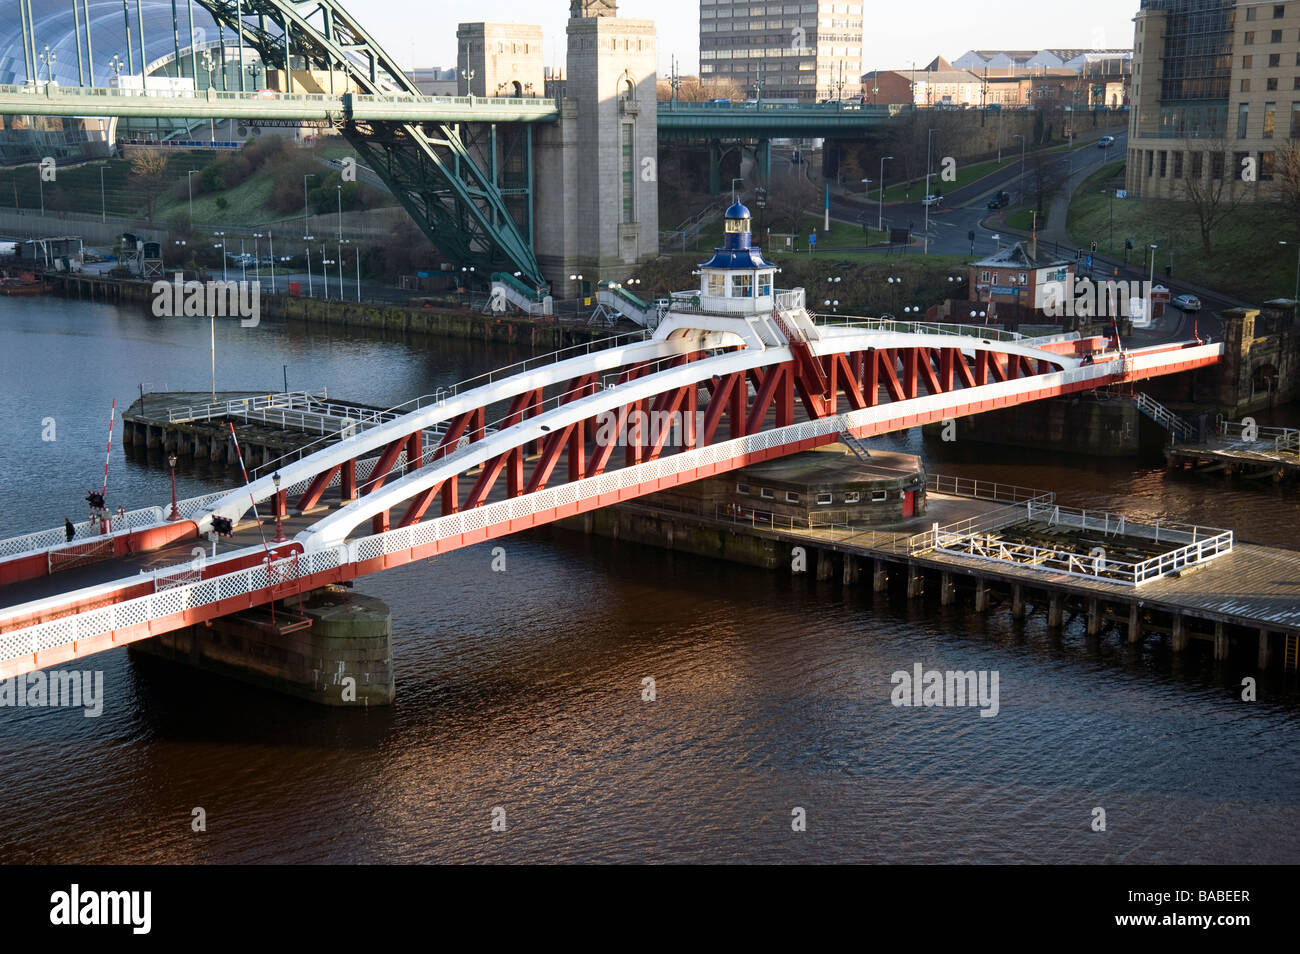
(1279, 11)
(1246, 62)
(764, 284)
(1297, 83)
(1216, 165)
(984, 276)
(1249, 38)
(1178, 164)
(1164, 163)
(1295, 120)
(1250, 13)
(1151, 161)
(852, 497)
(1270, 119)
(1243, 117)
(717, 285)
(629, 176)
(1270, 83)
(879, 496)
(1245, 86)
(742, 489)
(1267, 162)
(1198, 165)
(766, 493)
(1275, 59)
(823, 500)
(1239, 160)
(742, 286)
(791, 497)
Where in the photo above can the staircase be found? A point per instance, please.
(810, 369)
(1177, 427)
(1289, 652)
(858, 448)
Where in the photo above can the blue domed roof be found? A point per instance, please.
(738, 211)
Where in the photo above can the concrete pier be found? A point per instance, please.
(335, 651)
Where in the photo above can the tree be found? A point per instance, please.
(690, 89)
(148, 173)
(1286, 173)
(1209, 190)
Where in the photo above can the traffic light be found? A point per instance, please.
(223, 526)
(95, 499)
(1094, 246)
(1128, 244)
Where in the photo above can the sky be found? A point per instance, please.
(424, 34)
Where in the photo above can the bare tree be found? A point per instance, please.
(1209, 190)
(148, 175)
(1286, 173)
(690, 89)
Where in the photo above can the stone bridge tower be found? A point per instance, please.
(596, 187)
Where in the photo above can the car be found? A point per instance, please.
(1000, 201)
(1186, 303)
(1105, 142)
(932, 200)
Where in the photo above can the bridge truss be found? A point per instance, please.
(469, 190)
(561, 436)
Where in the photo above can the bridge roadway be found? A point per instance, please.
(675, 120)
(779, 382)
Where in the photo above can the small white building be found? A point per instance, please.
(737, 279)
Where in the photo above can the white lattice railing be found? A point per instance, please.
(56, 537)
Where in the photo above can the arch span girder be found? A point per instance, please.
(409, 160)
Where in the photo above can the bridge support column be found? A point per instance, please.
(981, 596)
(379, 523)
(1220, 642)
(1054, 611)
(851, 569)
(1134, 625)
(715, 167)
(763, 153)
(915, 581)
(1178, 642)
(348, 479)
(1017, 601)
(1265, 650)
(342, 657)
(947, 591)
(1094, 618)
(825, 564)
(879, 577)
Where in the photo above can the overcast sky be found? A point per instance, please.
(896, 33)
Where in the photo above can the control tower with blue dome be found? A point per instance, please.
(737, 279)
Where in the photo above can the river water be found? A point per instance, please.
(522, 691)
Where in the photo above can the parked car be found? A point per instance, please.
(1105, 142)
(932, 200)
(1186, 303)
(1000, 201)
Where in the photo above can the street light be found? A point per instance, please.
(48, 57)
(279, 530)
(176, 513)
(221, 245)
(1022, 165)
(1151, 277)
(929, 138)
(257, 257)
(311, 293)
(305, 227)
(1296, 295)
(103, 209)
(880, 217)
(188, 182)
(340, 193)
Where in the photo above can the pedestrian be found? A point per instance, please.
(69, 530)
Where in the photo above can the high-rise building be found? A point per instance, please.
(1216, 90)
(809, 50)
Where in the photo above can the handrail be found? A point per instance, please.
(923, 328)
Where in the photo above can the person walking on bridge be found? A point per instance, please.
(69, 530)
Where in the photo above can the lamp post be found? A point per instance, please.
(181, 243)
(305, 227)
(339, 188)
(342, 242)
(48, 57)
(880, 217)
(1022, 165)
(176, 513)
(207, 65)
(257, 256)
(1151, 276)
(929, 139)
(1296, 294)
(311, 292)
(221, 245)
(324, 272)
(189, 183)
(103, 208)
(279, 528)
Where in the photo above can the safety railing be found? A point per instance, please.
(1282, 438)
(288, 400)
(85, 530)
(923, 328)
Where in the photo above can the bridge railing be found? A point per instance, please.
(923, 328)
(984, 489)
(1282, 438)
(53, 91)
(83, 531)
(284, 400)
